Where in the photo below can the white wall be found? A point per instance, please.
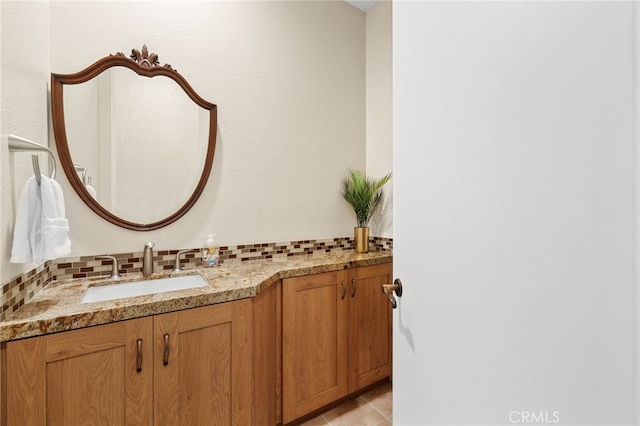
(289, 82)
(24, 73)
(379, 108)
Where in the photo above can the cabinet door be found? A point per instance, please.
(314, 342)
(99, 375)
(202, 359)
(369, 326)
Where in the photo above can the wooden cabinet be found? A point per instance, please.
(369, 327)
(86, 376)
(336, 330)
(187, 367)
(202, 371)
(314, 345)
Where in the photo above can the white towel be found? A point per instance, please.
(41, 229)
(55, 226)
(92, 191)
(28, 223)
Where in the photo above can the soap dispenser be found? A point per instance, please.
(210, 253)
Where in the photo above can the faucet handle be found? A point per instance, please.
(115, 272)
(150, 244)
(176, 266)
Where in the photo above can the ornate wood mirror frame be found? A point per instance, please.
(145, 65)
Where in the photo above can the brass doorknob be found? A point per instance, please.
(389, 289)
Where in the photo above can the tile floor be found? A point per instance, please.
(369, 409)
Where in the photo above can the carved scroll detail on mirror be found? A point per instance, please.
(145, 59)
(145, 136)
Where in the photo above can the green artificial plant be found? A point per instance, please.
(364, 194)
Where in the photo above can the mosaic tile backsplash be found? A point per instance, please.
(22, 288)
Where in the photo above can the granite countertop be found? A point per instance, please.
(57, 307)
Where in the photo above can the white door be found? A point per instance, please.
(515, 194)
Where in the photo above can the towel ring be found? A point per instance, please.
(86, 180)
(18, 144)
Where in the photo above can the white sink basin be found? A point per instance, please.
(140, 288)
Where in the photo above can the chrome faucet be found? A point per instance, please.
(147, 259)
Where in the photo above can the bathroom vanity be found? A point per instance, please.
(264, 342)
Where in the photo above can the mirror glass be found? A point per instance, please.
(135, 142)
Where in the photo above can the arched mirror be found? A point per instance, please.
(135, 140)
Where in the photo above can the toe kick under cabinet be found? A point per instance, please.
(336, 331)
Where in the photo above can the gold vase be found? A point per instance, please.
(361, 237)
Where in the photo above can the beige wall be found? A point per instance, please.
(289, 82)
(290, 98)
(379, 148)
(24, 72)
